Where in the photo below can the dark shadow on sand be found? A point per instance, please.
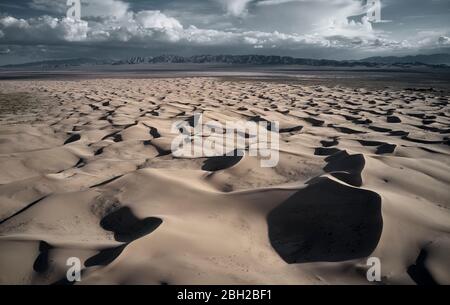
(214, 164)
(326, 222)
(127, 227)
(419, 272)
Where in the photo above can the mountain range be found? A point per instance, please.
(435, 60)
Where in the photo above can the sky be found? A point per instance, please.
(33, 30)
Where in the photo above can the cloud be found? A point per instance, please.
(351, 29)
(152, 26)
(240, 7)
(43, 29)
(444, 40)
(143, 27)
(245, 26)
(157, 20)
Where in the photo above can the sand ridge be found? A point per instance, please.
(362, 173)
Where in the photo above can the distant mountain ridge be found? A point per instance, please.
(233, 59)
(434, 59)
(73, 62)
(437, 60)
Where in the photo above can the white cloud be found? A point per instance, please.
(143, 27)
(72, 30)
(43, 29)
(10, 21)
(147, 27)
(116, 24)
(444, 40)
(350, 29)
(157, 20)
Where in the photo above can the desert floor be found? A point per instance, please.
(86, 171)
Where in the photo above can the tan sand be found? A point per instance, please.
(89, 174)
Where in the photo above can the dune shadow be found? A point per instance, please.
(326, 151)
(127, 227)
(314, 122)
(41, 264)
(345, 167)
(380, 129)
(105, 257)
(419, 272)
(386, 149)
(382, 147)
(393, 119)
(347, 130)
(214, 164)
(408, 138)
(72, 138)
(330, 143)
(326, 222)
(291, 129)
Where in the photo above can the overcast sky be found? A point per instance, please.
(33, 30)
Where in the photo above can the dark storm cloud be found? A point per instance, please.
(303, 28)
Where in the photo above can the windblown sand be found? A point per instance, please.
(86, 171)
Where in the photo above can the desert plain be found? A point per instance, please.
(87, 171)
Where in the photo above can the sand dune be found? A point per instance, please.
(90, 174)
